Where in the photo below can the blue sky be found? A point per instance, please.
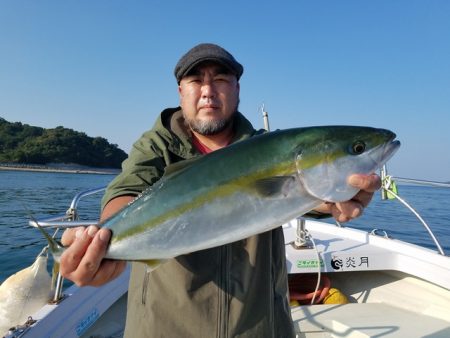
(106, 67)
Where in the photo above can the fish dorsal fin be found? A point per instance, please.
(272, 186)
(178, 167)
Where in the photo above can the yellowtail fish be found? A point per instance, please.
(244, 189)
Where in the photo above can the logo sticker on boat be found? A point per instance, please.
(345, 263)
(309, 263)
(87, 321)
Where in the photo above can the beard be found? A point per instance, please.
(209, 128)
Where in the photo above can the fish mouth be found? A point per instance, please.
(387, 150)
(391, 148)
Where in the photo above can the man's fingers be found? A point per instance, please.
(83, 262)
(345, 211)
(370, 183)
(108, 270)
(348, 210)
(69, 235)
(82, 259)
(363, 198)
(73, 255)
(93, 256)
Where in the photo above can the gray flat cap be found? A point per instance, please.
(206, 52)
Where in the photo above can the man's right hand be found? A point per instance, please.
(83, 261)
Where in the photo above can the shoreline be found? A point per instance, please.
(98, 171)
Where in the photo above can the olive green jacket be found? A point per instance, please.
(235, 290)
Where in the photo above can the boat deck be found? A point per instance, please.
(382, 304)
(365, 320)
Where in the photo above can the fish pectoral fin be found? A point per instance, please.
(272, 186)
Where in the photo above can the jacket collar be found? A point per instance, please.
(172, 127)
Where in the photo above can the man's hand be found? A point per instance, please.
(346, 211)
(83, 262)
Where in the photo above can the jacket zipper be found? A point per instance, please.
(224, 284)
(145, 285)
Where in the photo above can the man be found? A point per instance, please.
(235, 290)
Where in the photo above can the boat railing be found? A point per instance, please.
(421, 182)
(70, 218)
(64, 221)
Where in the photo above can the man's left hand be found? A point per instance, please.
(346, 211)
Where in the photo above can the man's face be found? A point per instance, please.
(209, 97)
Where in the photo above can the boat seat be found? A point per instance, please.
(357, 320)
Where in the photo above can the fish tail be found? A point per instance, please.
(54, 246)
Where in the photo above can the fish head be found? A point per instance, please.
(329, 155)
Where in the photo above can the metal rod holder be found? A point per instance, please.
(68, 220)
(301, 239)
(58, 289)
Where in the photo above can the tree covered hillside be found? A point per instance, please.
(22, 143)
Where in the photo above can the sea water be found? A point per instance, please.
(47, 194)
(43, 195)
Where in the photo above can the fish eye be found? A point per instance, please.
(358, 148)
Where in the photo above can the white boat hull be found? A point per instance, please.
(395, 289)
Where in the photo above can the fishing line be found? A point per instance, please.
(388, 183)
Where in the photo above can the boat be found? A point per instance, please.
(382, 287)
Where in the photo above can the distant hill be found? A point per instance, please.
(22, 143)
